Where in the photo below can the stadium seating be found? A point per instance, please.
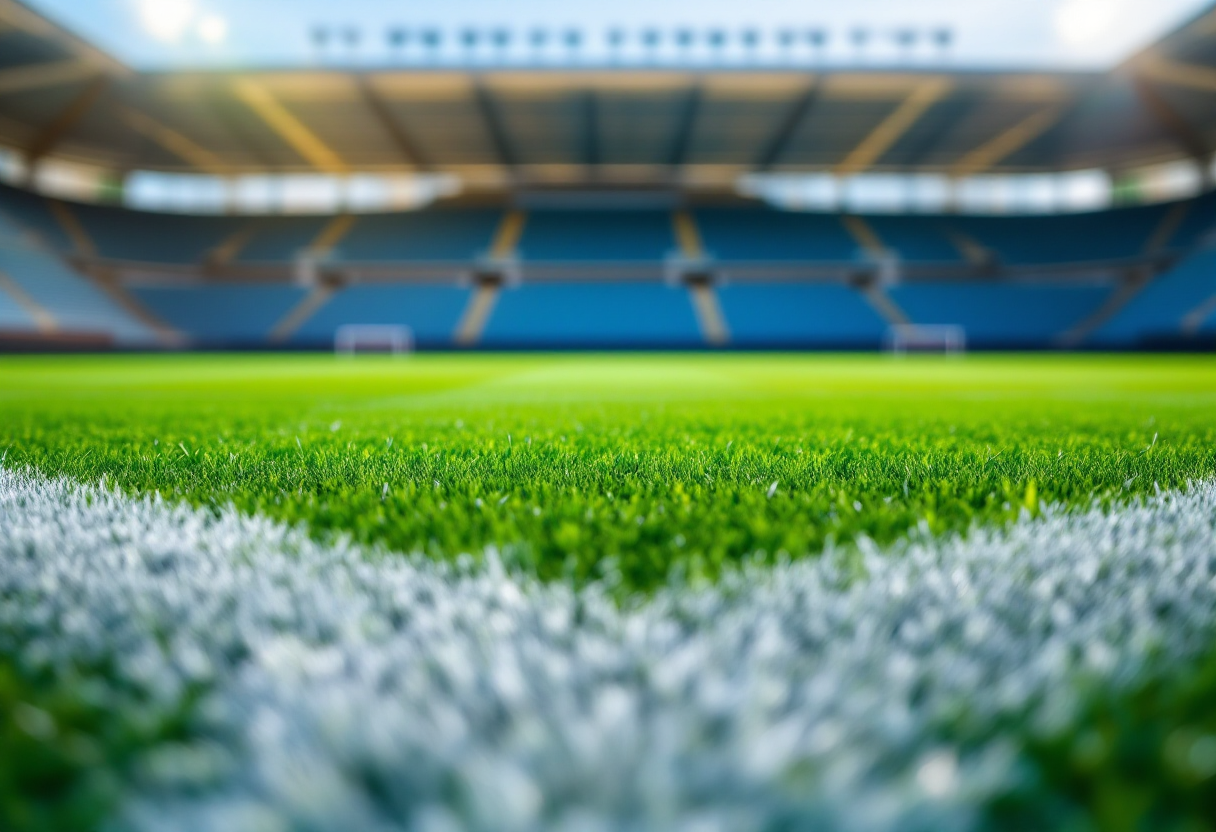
(799, 315)
(221, 314)
(917, 239)
(1019, 310)
(281, 239)
(1121, 234)
(33, 213)
(603, 236)
(440, 235)
(431, 311)
(593, 315)
(1157, 312)
(146, 237)
(755, 235)
(12, 317)
(1001, 314)
(73, 303)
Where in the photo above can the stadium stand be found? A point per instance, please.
(147, 237)
(430, 311)
(221, 315)
(603, 236)
(57, 298)
(998, 314)
(593, 315)
(440, 235)
(751, 235)
(626, 236)
(13, 316)
(800, 314)
(917, 239)
(1160, 310)
(281, 239)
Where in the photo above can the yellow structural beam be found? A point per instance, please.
(43, 320)
(688, 235)
(176, 143)
(68, 221)
(46, 74)
(895, 125)
(510, 230)
(331, 234)
(1180, 75)
(864, 235)
(1009, 141)
(290, 129)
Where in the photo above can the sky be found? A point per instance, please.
(1081, 34)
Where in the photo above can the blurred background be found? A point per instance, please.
(211, 174)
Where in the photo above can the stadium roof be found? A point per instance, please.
(60, 95)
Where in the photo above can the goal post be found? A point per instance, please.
(947, 339)
(352, 339)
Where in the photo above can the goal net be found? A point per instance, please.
(353, 339)
(947, 339)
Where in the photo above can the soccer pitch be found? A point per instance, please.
(610, 592)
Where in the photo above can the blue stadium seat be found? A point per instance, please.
(71, 299)
(580, 236)
(12, 317)
(147, 237)
(799, 315)
(917, 239)
(440, 235)
(1157, 311)
(221, 314)
(593, 315)
(281, 239)
(32, 212)
(431, 311)
(1001, 314)
(1198, 224)
(756, 235)
(1103, 236)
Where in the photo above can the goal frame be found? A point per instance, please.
(390, 339)
(947, 339)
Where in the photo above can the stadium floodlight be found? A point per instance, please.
(615, 38)
(573, 39)
(432, 39)
(469, 38)
(397, 39)
(860, 38)
(906, 40)
(320, 40)
(943, 39)
(750, 38)
(501, 38)
(685, 39)
(351, 36)
(818, 39)
(651, 38)
(787, 39)
(539, 39)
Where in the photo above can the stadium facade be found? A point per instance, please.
(599, 206)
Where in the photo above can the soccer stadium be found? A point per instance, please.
(460, 421)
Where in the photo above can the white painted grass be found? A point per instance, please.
(351, 690)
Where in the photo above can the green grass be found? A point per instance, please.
(630, 469)
(635, 470)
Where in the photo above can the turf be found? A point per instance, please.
(638, 471)
(635, 470)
